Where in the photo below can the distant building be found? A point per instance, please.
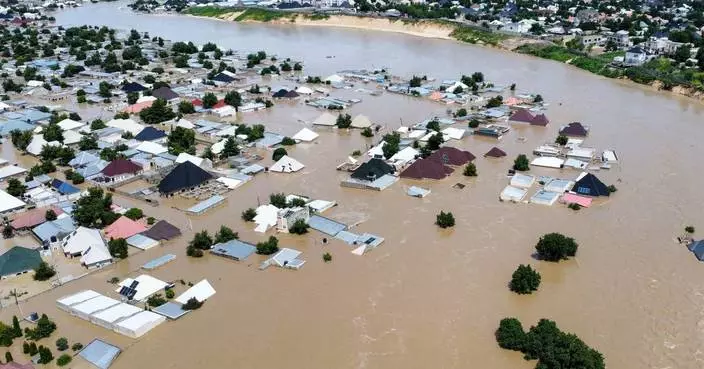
(661, 46)
(635, 56)
(593, 40)
(620, 38)
(286, 217)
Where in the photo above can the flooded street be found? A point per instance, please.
(428, 298)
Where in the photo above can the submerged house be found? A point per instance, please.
(18, 260)
(285, 218)
(590, 185)
(89, 245)
(495, 152)
(575, 129)
(426, 168)
(119, 170)
(451, 156)
(373, 169)
(184, 176)
(697, 247)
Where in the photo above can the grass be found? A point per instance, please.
(475, 35)
(263, 15)
(209, 11)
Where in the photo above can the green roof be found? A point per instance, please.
(18, 259)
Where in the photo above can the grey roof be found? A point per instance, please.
(57, 228)
(234, 249)
(11, 125)
(92, 169)
(326, 225)
(170, 310)
(270, 139)
(100, 353)
(161, 260)
(19, 259)
(83, 158)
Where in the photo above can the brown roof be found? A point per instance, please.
(451, 156)
(33, 218)
(425, 168)
(121, 166)
(575, 129)
(540, 120)
(522, 115)
(495, 152)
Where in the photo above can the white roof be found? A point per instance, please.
(325, 119)
(69, 124)
(266, 217)
(433, 133)
(547, 161)
(151, 148)
(361, 121)
(405, 155)
(231, 183)
(182, 157)
(320, 205)
(185, 123)
(304, 90)
(227, 131)
(146, 286)
(127, 125)
(97, 253)
(217, 147)
(201, 291)
(286, 164)
(81, 240)
(574, 163)
(333, 79)
(403, 129)
(72, 137)
(38, 142)
(117, 312)
(9, 202)
(285, 256)
(377, 150)
(305, 135)
(10, 170)
(609, 156)
(77, 297)
(139, 320)
(225, 111)
(511, 193)
(522, 180)
(95, 304)
(454, 133)
(145, 99)
(416, 133)
(582, 152)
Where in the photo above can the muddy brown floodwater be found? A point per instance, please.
(429, 298)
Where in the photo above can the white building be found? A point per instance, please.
(635, 56)
(285, 218)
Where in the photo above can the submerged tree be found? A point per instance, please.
(445, 220)
(555, 247)
(524, 280)
(521, 163)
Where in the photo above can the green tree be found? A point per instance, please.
(233, 99)
(461, 112)
(62, 344)
(268, 247)
(470, 170)
(510, 334)
(44, 271)
(327, 257)
(201, 241)
(445, 220)
(21, 139)
(435, 141)
(94, 209)
(288, 141)
(555, 247)
(64, 360)
(132, 97)
(134, 213)
(682, 54)
(8, 357)
(524, 280)
(344, 121)
(367, 132)
(521, 163)
(97, 124)
(170, 293)
(249, 214)
(105, 89)
(118, 248)
(52, 132)
(209, 100)
(299, 227)
(77, 346)
(279, 153)
(17, 330)
(15, 187)
(159, 112)
(561, 140)
(186, 107)
(50, 215)
(689, 229)
(43, 329)
(156, 300)
(192, 304)
(278, 200)
(230, 148)
(225, 234)
(181, 140)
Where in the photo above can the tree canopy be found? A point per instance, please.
(555, 247)
(159, 112)
(93, 210)
(521, 163)
(118, 248)
(182, 140)
(524, 280)
(268, 247)
(445, 220)
(225, 234)
(15, 187)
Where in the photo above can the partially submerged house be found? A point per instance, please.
(451, 156)
(119, 170)
(123, 227)
(495, 152)
(589, 185)
(373, 169)
(426, 169)
(285, 218)
(184, 176)
(575, 129)
(18, 260)
(89, 245)
(286, 164)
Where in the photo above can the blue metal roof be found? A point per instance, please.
(326, 225)
(56, 228)
(100, 353)
(205, 205)
(8, 126)
(171, 310)
(155, 263)
(63, 187)
(234, 249)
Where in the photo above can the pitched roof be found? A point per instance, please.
(280, 93)
(162, 230)
(164, 93)
(540, 120)
(590, 185)
(185, 175)
(33, 218)
(522, 115)
(18, 259)
(451, 156)
(373, 169)
(495, 152)
(426, 168)
(291, 94)
(222, 77)
(697, 247)
(64, 188)
(121, 166)
(133, 87)
(123, 227)
(575, 129)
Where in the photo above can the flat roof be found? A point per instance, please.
(77, 297)
(326, 225)
(117, 312)
(205, 205)
(139, 320)
(100, 353)
(95, 304)
(235, 249)
(171, 310)
(155, 263)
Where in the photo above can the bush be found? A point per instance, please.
(356, 153)
(77, 178)
(194, 252)
(510, 334)
(50, 215)
(524, 280)
(445, 220)
(118, 248)
(63, 360)
(299, 227)
(268, 247)
(170, 293)
(343, 121)
(156, 300)
(192, 304)
(288, 141)
(327, 257)
(278, 200)
(225, 234)
(521, 163)
(77, 346)
(62, 344)
(44, 328)
(555, 247)
(279, 153)
(134, 213)
(8, 232)
(367, 132)
(151, 220)
(689, 229)
(470, 170)
(612, 188)
(8, 357)
(473, 123)
(44, 271)
(574, 206)
(561, 140)
(249, 214)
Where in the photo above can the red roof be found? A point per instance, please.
(540, 120)
(522, 115)
(451, 156)
(124, 227)
(425, 168)
(220, 104)
(33, 217)
(495, 152)
(121, 166)
(197, 102)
